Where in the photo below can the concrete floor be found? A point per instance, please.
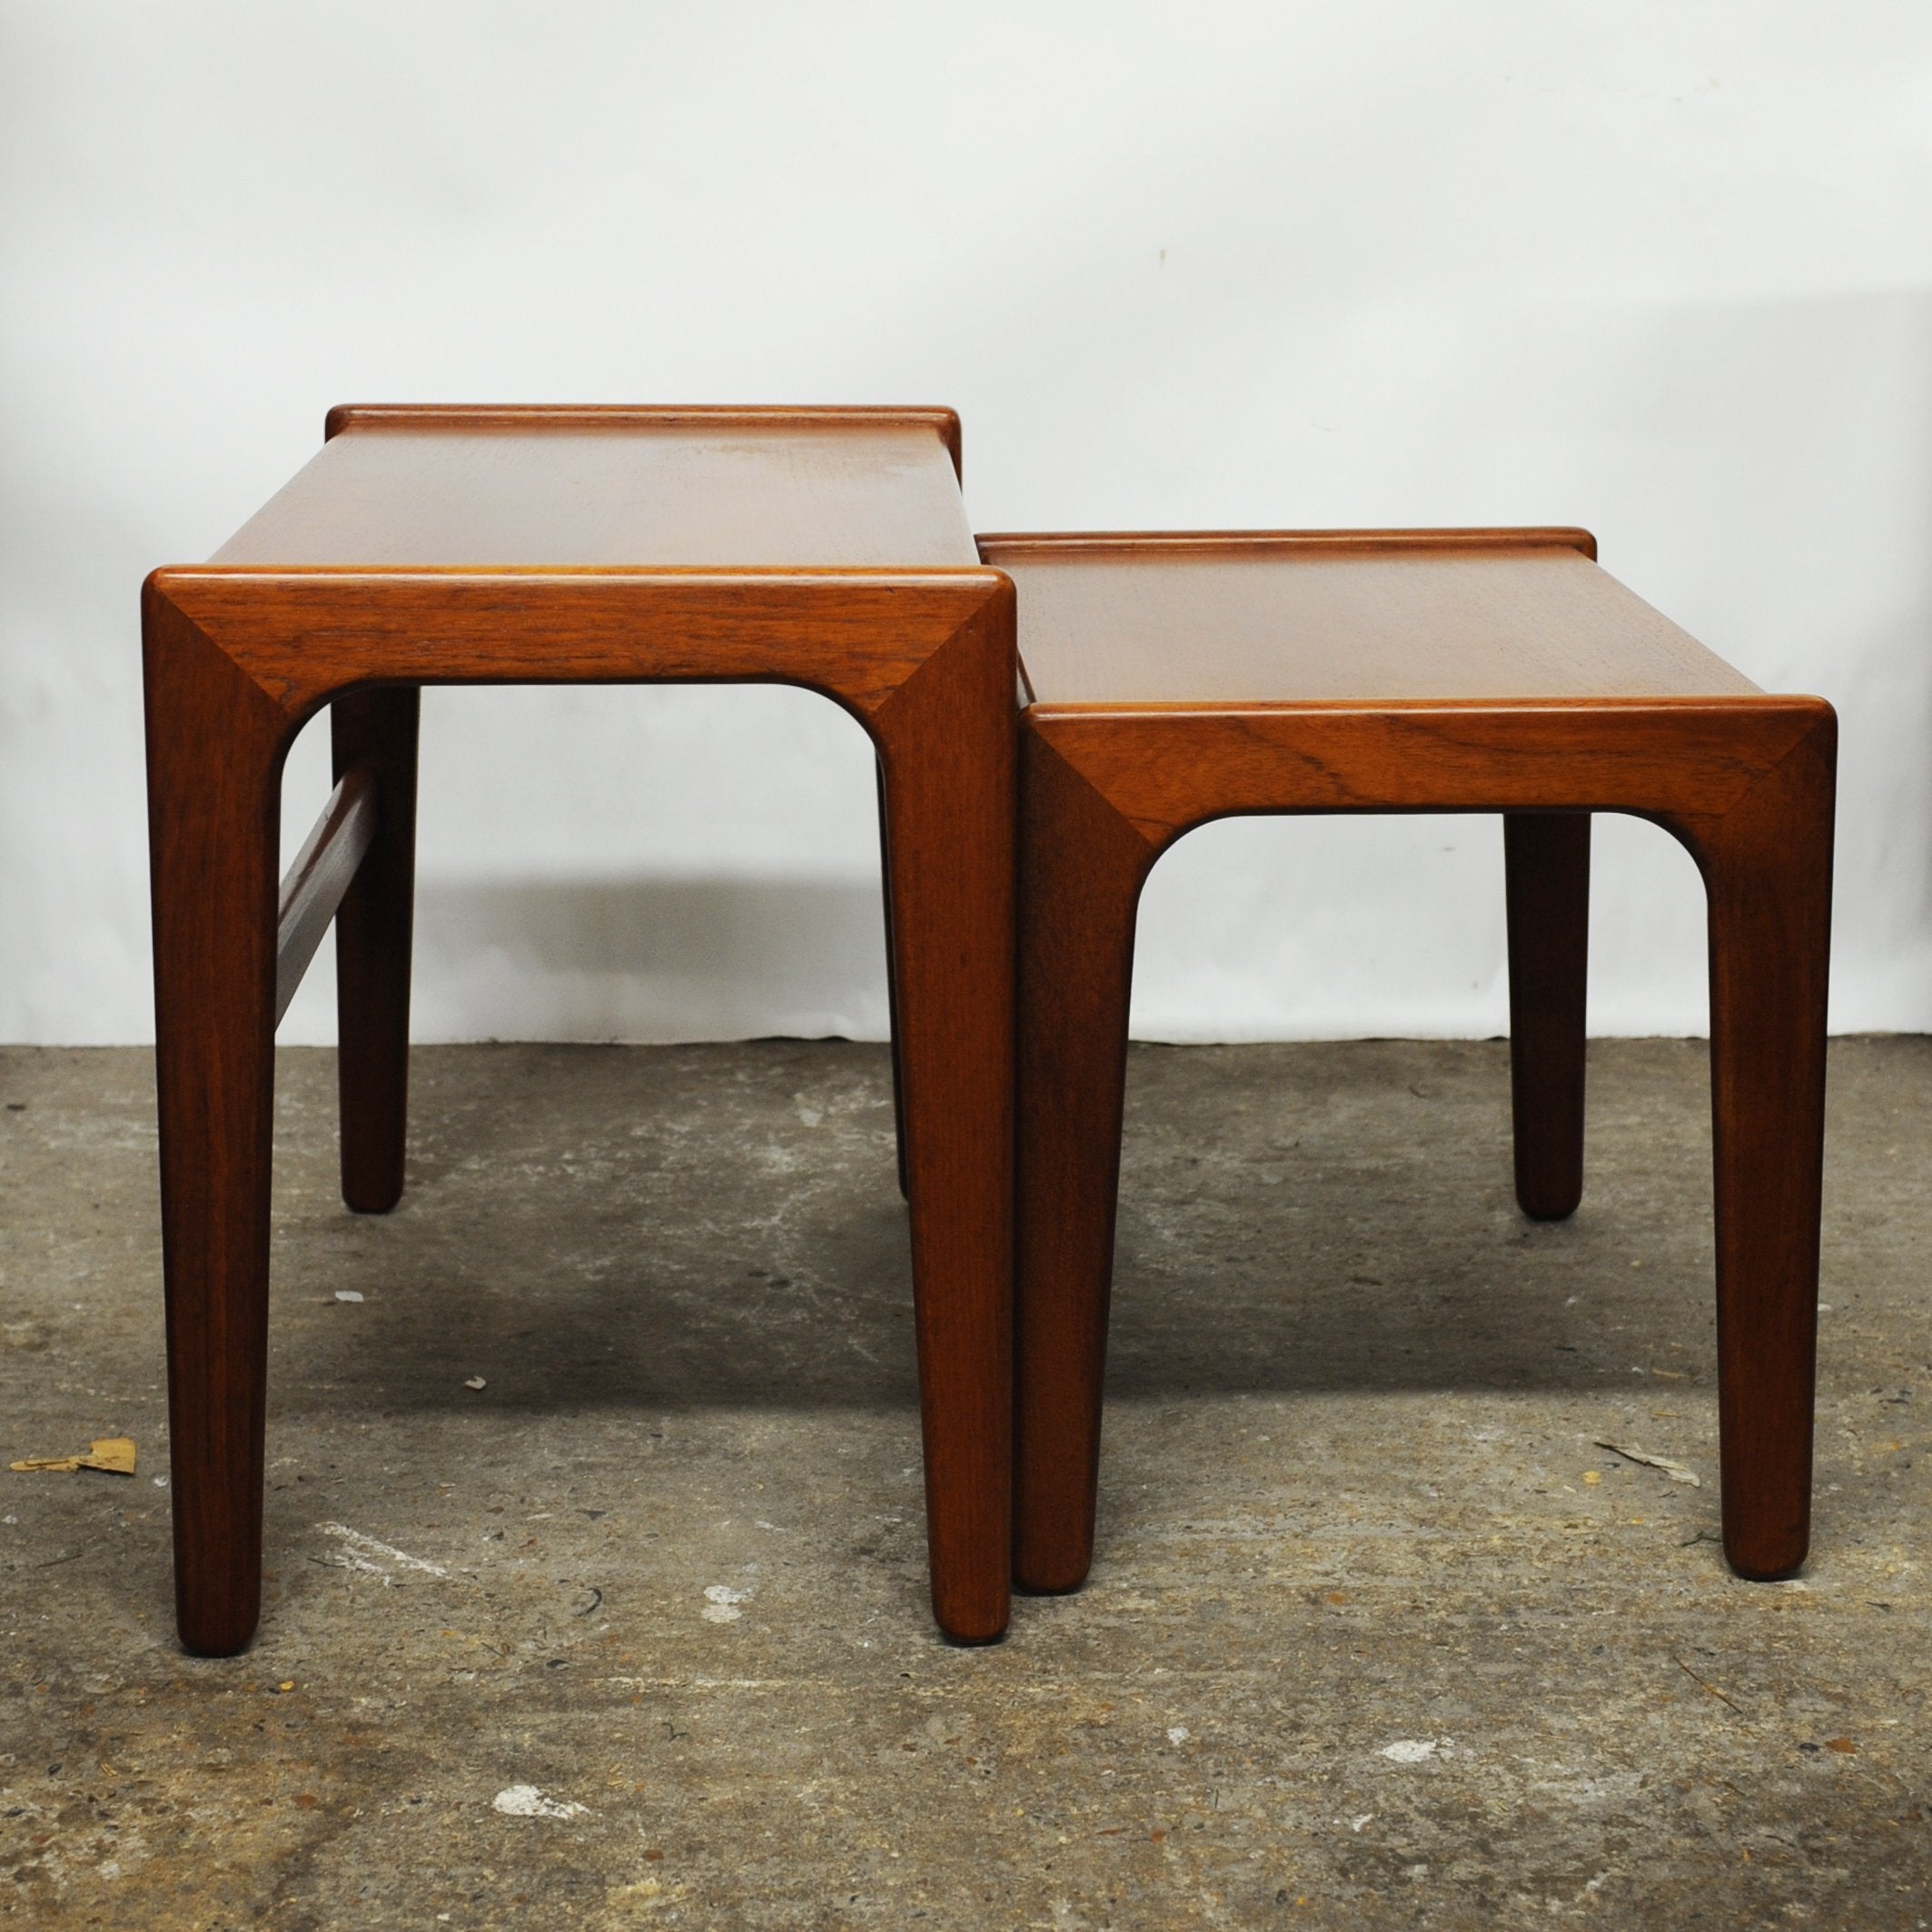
(637, 1633)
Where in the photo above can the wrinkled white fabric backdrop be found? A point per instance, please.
(1661, 268)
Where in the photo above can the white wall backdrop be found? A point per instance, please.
(1664, 269)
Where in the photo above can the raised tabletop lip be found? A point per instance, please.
(1484, 537)
(536, 418)
(920, 575)
(1099, 710)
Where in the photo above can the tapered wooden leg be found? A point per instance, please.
(373, 926)
(1081, 870)
(1546, 868)
(214, 749)
(947, 742)
(1766, 870)
(892, 982)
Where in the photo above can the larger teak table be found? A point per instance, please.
(827, 549)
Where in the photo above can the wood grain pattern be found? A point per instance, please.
(1169, 770)
(1767, 868)
(1342, 616)
(1082, 867)
(305, 636)
(573, 489)
(1114, 772)
(216, 743)
(237, 656)
(947, 743)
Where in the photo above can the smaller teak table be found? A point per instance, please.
(1174, 679)
(824, 548)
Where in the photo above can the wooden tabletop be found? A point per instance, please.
(482, 489)
(1225, 620)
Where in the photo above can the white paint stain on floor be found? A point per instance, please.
(372, 1557)
(1414, 1750)
(721, 1603)
(528, 1801)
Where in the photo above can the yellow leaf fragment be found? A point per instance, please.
(113, 1454)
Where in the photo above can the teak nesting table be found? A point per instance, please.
(828, 549)
(1160, 681)
(1174, 679)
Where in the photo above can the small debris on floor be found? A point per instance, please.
(1675, 1471)
(721, 1603)
(1705, 1684)
(1412, 1750)
(112, 1453)
(528, 1801)
(348, 1294)
(476, 1381)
